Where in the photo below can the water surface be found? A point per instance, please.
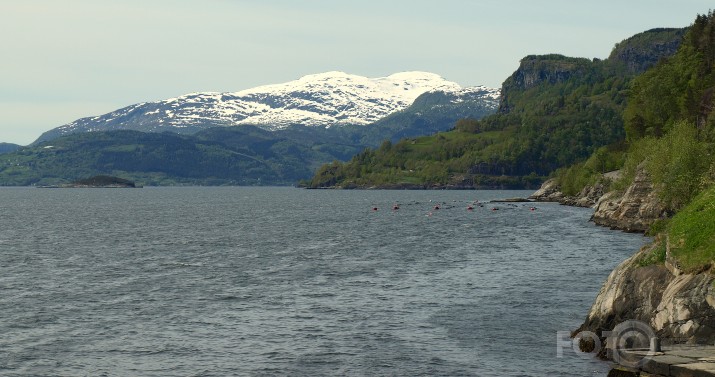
(283, 281)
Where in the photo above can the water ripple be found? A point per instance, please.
(213, 282)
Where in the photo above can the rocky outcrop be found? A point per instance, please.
(588, 197)
(678, 305)
(679, 308)
(635, 54)
(552, 69)
(549, 192)
(535, 70)
(634, 210)
(646, 49)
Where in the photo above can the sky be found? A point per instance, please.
(64, 60)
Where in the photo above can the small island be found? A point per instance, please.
(102, 181)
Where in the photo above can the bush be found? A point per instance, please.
(574, 178)
(677, 164)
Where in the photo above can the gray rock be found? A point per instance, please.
(635, 210)
(679, 309)
(549, 192)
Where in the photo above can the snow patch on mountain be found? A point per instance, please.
(321, 100)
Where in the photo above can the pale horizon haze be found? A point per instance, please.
(64, 60)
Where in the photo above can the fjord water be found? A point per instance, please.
(283, 281)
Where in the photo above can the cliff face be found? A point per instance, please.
(644, 50)
(541, 69)
(678, 307)
(628, 58)
(551, 69)
(635, 210)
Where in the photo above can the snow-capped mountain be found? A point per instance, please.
(321, 100)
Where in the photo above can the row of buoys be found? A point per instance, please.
(470, 207)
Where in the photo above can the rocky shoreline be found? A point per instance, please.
(632, 210)
(102, 181)
(678, 305)
(415, 186)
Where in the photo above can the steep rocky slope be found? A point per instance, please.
(632, 210)
(678, 304)
(679, 307)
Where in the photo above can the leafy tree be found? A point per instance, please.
(555, 111)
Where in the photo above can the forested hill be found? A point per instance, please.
(669, 120)
(666, 185)
(243, 155)
(554, 111)
(8, 147)
(236, 155)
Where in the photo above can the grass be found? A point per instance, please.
(656, 255)
(691, 233)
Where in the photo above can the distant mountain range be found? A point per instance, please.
(270, 135)
(327, 100)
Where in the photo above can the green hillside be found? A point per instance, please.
(8, 147)
(555, 111)
(243, 155)
(236, 156)
(670, 130)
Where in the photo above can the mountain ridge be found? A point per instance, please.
(240, 155)
(327, 100)
(8, 147)
(555, 110)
